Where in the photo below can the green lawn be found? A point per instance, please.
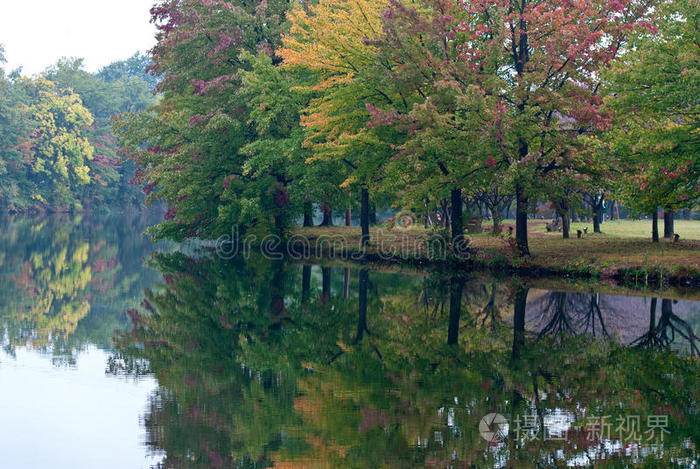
(624, 228)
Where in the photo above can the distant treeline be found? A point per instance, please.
(57, 151)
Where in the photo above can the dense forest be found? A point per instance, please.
(57, 149)
(271, 108)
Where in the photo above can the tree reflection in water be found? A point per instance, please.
(271, 365)
(65, 280)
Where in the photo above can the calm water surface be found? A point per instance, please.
(120, 353)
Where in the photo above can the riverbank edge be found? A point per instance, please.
(632, 277)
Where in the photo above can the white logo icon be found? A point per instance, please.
(493, 428)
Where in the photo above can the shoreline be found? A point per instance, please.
(597, 259)
(637, 279)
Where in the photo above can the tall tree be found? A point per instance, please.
(109, 185)
(657, 137)
(347, 86)
(189, 145)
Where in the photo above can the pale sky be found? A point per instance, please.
(36, 33)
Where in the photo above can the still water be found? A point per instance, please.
(118, 353)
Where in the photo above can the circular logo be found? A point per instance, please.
(493, 428)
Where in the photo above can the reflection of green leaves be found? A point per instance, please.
(67, 283)
(253, 368)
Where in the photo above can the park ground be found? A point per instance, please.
(623, 251)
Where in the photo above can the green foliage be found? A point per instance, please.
(12, 129)
(264, 113)
(657, 135)
(190, 145)
(119, 88)
(137, 66)
(57, 151)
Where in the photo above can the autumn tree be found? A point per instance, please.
(189, 145)
(56, 151)
(520, 75)
(106, 97)
(347, 87)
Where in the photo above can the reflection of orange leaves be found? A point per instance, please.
(25, 279)
(325, 453)
(96, 247)
(315, 441)
(304, 463)
(320, 443)
(304, 406)
(100, 265)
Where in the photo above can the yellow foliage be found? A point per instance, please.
(330, 36)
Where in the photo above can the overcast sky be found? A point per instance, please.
(36, 33)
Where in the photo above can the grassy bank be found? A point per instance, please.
(623, 252)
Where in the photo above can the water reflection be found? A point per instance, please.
(265, 364)
(66, 281)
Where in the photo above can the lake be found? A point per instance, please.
(121, 353)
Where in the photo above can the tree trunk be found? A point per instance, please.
(305, 283)
(277, 290)
(362, 316)
(655, 226)
(365, 216)
(346, 283)
(519, 321)
(372, 215)
(348, 217)
(666, 311)
(279, 225)
(521, 221)
(496, 222)
(565, 225)
(308, 214)
(564, 213)
(327, 215)
(445, 214)
(456, 288)
(596, 219)
(457, 223)
(668, 223)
